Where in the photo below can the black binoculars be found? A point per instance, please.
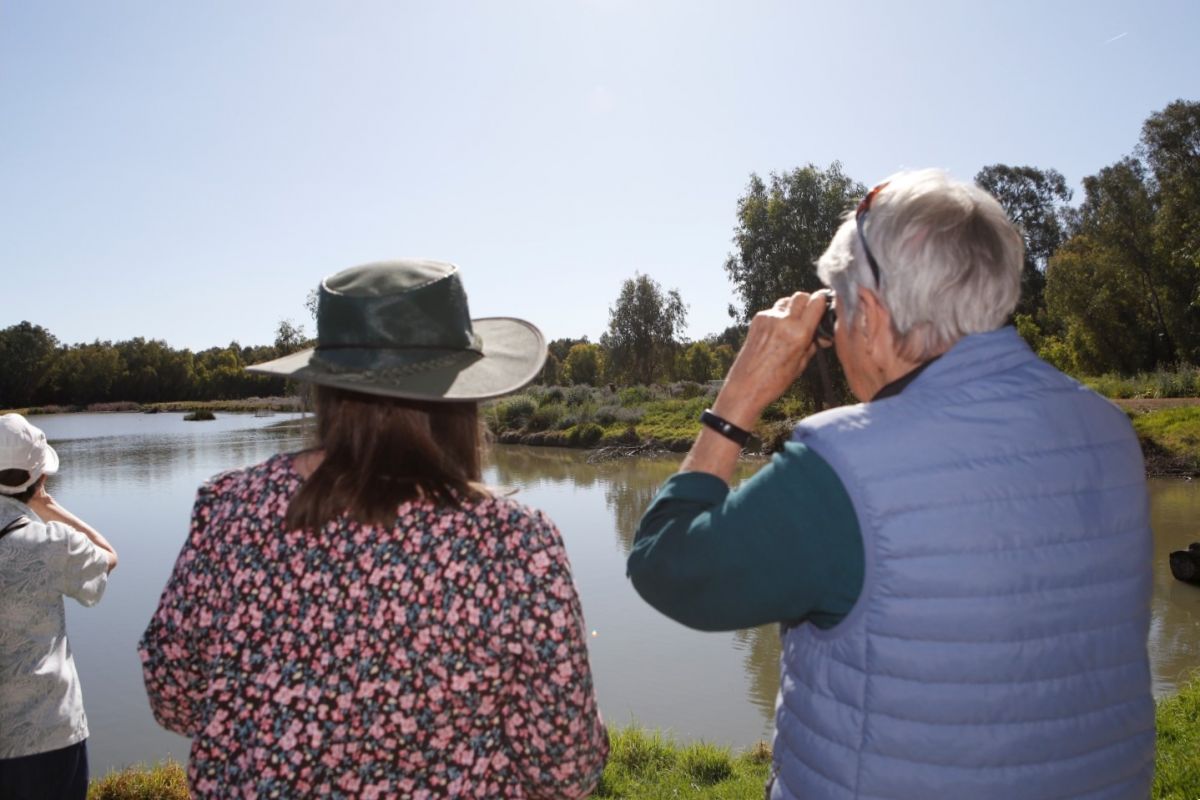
(828, 320)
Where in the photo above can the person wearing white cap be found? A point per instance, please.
(45, 552)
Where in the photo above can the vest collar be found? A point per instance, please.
(971, 357)
(897, 386)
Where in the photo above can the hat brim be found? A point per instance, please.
(513, 352)
(49, 462)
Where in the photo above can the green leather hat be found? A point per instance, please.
(403, 329)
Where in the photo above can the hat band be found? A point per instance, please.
(346, 361)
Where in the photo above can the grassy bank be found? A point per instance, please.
(1182, 381)
(658, 417)
(646, 765)
(1170, 439)
(666, 418)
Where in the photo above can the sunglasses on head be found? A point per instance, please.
(863, 208)
(829, 317)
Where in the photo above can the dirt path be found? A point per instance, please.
(1142, 405)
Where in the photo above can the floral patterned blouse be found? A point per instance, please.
(440, 657)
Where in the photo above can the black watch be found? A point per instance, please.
(725, 427)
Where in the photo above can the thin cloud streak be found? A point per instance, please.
(1118, 36)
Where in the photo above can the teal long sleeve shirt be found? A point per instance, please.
(785, 547)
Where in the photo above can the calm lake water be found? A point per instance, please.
(134, 477)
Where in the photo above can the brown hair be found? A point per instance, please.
(15, 477)
(382, 451)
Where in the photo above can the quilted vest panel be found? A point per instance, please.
(998, 648)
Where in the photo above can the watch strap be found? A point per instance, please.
(725, 427)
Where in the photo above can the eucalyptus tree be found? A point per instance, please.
(645, 327)
(27, 354)
(783, 225)
(1036, 201)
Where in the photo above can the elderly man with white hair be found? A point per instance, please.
(960, 562)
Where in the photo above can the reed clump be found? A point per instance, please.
(163, 781)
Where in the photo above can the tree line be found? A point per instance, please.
(35, 369)
(1111, 284)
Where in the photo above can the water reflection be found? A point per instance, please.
(761, 648)
(631, 490)
(718, 687)
(1175, 629)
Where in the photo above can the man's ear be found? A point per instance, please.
(873, 318)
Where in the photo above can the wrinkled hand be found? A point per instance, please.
(778, 347)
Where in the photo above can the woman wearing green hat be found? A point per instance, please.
(365, 619)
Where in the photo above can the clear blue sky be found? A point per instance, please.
(188, 171)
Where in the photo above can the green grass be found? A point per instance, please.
(584, 416)
(648, 766)
(1177, 764)
(165, 781)
(1181, 381)
(1170, 439)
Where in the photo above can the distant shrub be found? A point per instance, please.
(515, 412)
(199, 415)
(577, 415)
(545, 417)
(1180, 381)
(637, 395)
(1059, 354)
(626, 438)
(687, 389)
(607, 415)
(48, 409)
(114, 407)
(606, 395)
(552, 394)
(578, 395)
(554, 439)
(584, 435)
(584, 364)
(611, 414)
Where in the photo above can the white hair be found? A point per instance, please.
(949, 260)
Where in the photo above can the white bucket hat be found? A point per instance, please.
(23, 446)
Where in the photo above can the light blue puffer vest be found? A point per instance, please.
(998, 648)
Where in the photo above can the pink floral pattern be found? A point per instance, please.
(440, 657)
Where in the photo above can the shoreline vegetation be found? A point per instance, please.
(632, 421)
(646, 764)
